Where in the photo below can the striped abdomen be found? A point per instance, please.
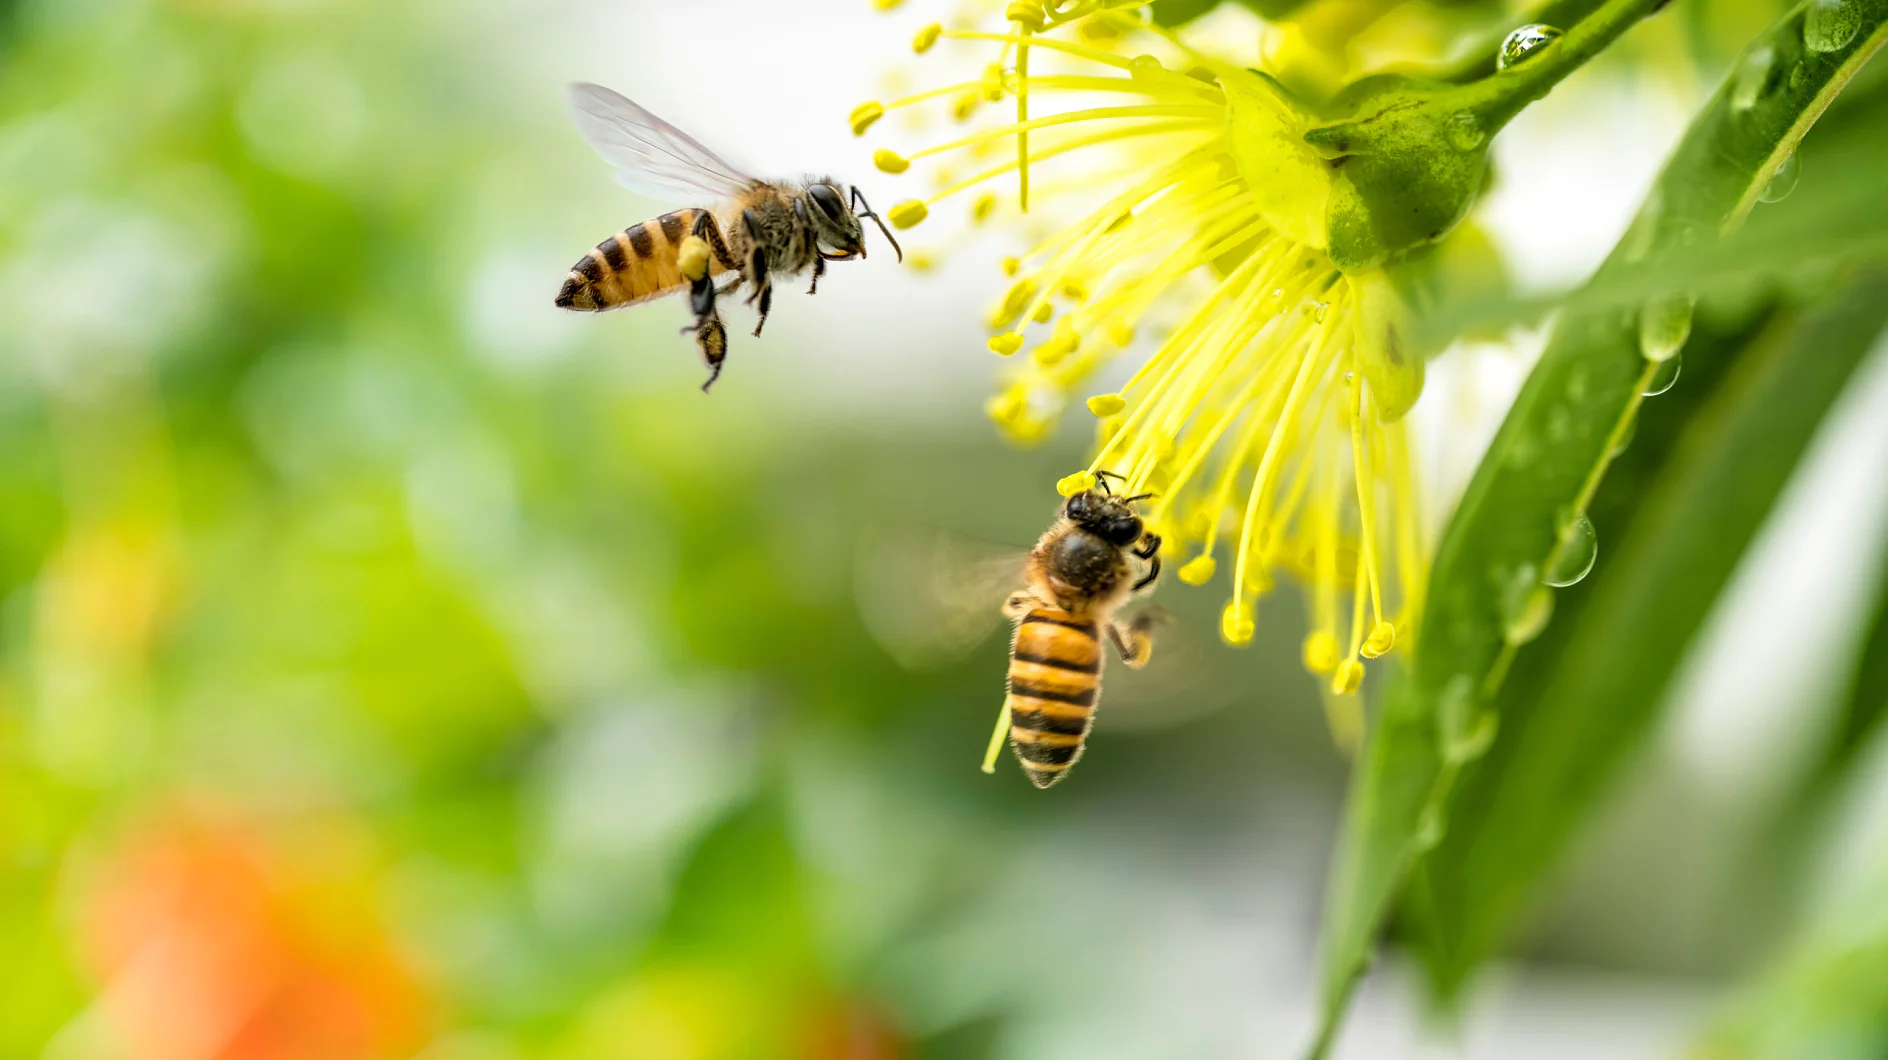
(1055, 677)
(638, 264)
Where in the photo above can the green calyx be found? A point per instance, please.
(1392, 163)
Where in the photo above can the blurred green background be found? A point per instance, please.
(391, 665)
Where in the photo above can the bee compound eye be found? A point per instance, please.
(826, 197)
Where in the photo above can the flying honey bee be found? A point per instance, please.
(1079, 575)
(756, 229)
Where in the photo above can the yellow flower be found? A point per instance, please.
(1267, 418)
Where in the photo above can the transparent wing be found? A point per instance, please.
(651, 156)
(929, 596)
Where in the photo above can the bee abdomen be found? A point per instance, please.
(1054, 683)
(635, 265)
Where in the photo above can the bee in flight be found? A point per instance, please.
(1079, 575)
(756, 229)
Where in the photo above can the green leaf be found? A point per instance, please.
(1858, 720)
(1565, 732)
(1541, 471)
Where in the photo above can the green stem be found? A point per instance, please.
(1498, 98)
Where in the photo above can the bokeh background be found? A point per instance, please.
(394, 666)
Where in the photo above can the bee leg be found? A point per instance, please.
(766, 303)
(1135, 640)
(712, 336)
(1020, 604)
(1149, 551)
(819, 269)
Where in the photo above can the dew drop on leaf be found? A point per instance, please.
(1752, 78)
(1464, 130)
(1829, 25)
(1526, 605)
(1783, 182)
(1573, 557)
(1625, 438)
(1663, 379)
(1664, 325)
(1524, 44)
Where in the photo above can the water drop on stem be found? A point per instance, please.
(1830, 25)
(1664, 325)
(1752, 78)
(1574, 556)
(1783, 182)
(1524, 43)
(1664, 379)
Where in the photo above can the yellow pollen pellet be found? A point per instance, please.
(890, 161)
(965, 105)
(1007, 343)
(1320, 652)
(1198, 570)
(1235, 623)
(1382, 638)
(908, 213)
(1348, 678)
(1011, 265)
(1074, 290)
(1120, 334)
(1070, 485)
(864, 115)
(921, 260)
(1105, 405)
(983, 207)
(1043, 314)
(691, 258)
(926, 37)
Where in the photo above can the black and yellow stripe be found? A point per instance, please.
(639, 264)
(1054, 682)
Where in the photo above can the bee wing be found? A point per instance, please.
(929, 596)
(651, 156)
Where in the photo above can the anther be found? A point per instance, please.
(1198, 570)
(908, 213)
(864, 115)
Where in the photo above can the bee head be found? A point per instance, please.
(833, 222)
(1106, 516)
(837, 221)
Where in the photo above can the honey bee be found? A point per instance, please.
(756, 229)
(1079, 575)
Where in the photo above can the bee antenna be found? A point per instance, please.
(858, 200)
(1139, 497)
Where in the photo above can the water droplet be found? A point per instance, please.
(1464, 130)
(1524, 44)
(1664, 325)
(1625, 437)
(1752, 78)
(1573, 557)
(1784, 181)
(1577, 384)
(1829, 25)
(1466, 732)
(1526, 605)
(1430, 829)
(1143, 66)
(1349, 378)
(1663, 379)
(1559, 425)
